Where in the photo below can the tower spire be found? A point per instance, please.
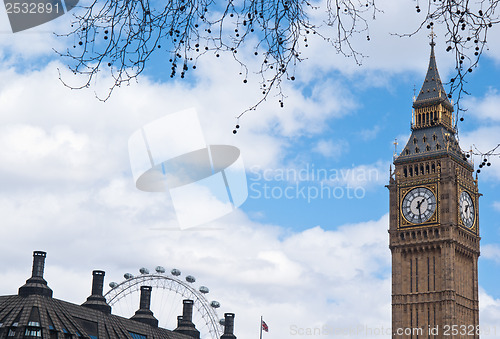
(432, 89)
(432, 98)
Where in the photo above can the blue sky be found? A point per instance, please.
(67, 186)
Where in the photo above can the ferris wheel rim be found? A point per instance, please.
(200, 301)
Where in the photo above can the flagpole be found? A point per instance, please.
(260, 327)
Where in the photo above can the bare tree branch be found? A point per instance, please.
(122, 35)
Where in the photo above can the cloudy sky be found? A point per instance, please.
(302, 262)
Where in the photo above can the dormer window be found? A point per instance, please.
(414, 141)
(438, 146)
(424, 139)
(428, 148)
(417, 150)
(434, 137)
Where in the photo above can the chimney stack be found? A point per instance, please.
(38, 264)
(36, 285)
(96, 300)
(144, 314)
(228, 326)
(97, 282)
(145, 302)
(187, 310)
(185, 323)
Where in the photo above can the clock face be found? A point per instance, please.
(419, 205)
(466, 209)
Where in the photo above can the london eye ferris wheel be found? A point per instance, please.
(167, 295)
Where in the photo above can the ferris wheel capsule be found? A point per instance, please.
(175, 272)
(204, 289)
(113, 284)
(128, 276)
(215, 304)
(160, 269)
(144, 270)
(190, 279)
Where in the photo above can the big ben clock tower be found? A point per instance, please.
(434, 226)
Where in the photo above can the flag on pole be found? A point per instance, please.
(264, 326)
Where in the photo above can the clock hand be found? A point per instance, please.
(419, 204)
(419, 211)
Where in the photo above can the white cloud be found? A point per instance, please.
(491, 251)
(489, 313)
(482, 140)
(21, 48)
(385, 55)
(485, 108)
(365, 176)
(330, 148)
(492, 49)
(370, 134)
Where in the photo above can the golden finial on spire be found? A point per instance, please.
(432, 35)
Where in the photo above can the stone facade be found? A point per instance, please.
(434, 261)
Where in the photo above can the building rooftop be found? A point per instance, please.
(34, 313)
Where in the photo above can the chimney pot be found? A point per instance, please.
(38, 264)
(187, 310)
(97, 282)
(145, 302)
(228, 323)
(228, 326)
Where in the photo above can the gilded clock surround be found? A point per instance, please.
(434, 263)
(474, 198)
(404, 223)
